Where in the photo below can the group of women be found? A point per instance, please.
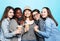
(28, 25)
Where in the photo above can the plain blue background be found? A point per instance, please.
(34, 4)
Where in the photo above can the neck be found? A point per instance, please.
(8, 18)
(27, 18)
(44, 19)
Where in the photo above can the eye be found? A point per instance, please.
(10, 12)
(41, 12)
(44, 11)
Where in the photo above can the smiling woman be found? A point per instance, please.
(8, 14)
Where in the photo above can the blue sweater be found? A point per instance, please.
(51, 32)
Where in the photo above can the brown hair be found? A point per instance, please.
(5, 14)
(50, 15)
(24, 17)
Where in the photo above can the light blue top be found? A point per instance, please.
(5, 29)
(51, 32)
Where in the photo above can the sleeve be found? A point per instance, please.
(13, 25)
(53, 24)
(38, 34)
(4, 26)
(47, 31)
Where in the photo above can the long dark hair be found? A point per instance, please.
(5, 14)
(50, 15)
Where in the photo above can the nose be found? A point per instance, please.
(12, 14)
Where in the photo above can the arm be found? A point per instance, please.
(13, 25)
(46, 34)
(26, 29)
(47, 31)
(5, 26)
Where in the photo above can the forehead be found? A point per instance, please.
(44, 9)
(18, 11)
(27, 10)
(35, 13)
(11, 10)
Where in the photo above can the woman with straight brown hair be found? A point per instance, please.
(7, 16)
(51, 32)
(29, 34)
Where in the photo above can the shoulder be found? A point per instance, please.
(13, 20)
(41, 20)
(50, 20)
(34, 23)
(4, 20)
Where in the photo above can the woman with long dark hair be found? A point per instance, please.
(51, 32)
(7, 16)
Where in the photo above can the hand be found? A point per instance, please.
(36, 28)
(21, 22)
(26, 27)
(20, 27)
(17, 32)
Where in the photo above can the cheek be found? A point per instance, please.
(10, 15)
(29, 14)
(17, 14)
(25, 14)
(44, 15)
(36, 16)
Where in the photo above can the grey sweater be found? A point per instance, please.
(30, 35)
(40, 23)
(41, 26)
(13, 26)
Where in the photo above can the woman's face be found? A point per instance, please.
(36, 15)
(18, 14)
(44, 13)
(27, 13)
(10, 13)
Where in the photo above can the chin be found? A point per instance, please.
(10, 17)
(44, 17)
